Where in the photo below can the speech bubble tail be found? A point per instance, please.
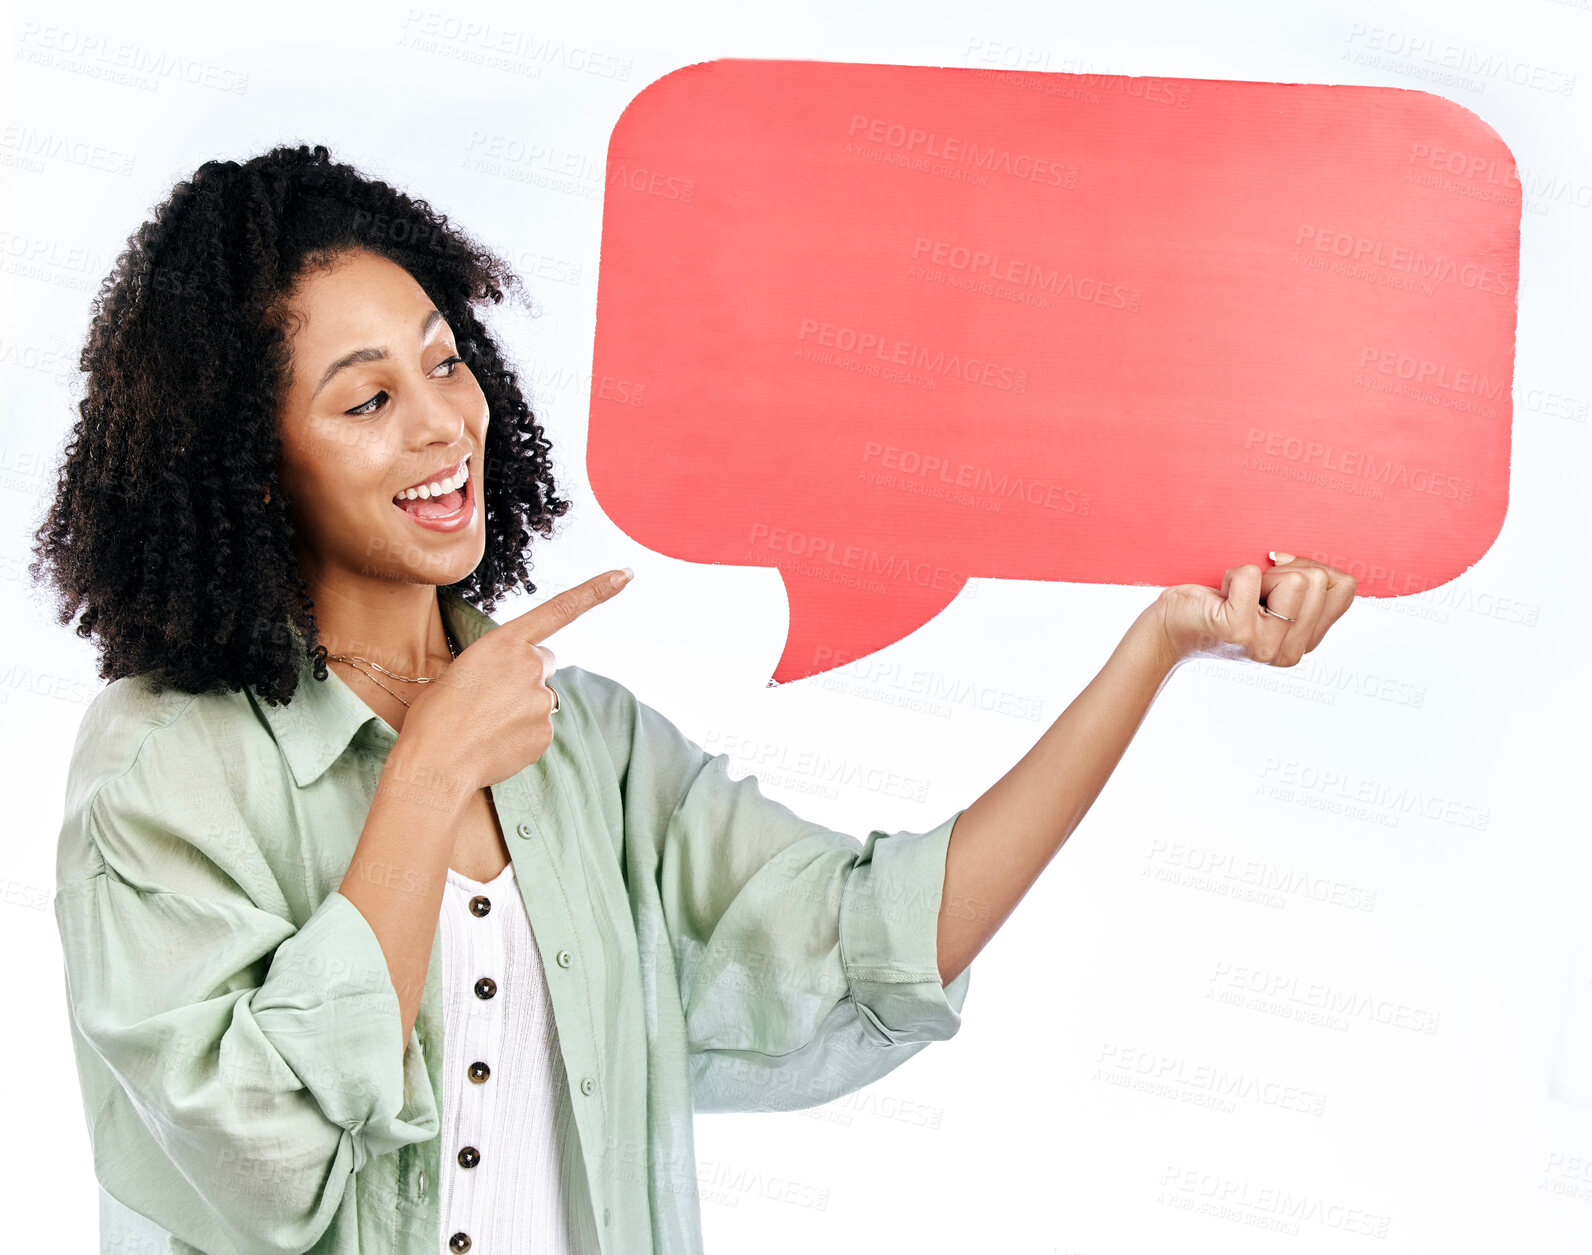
(834, 622)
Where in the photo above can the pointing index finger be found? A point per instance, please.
(542, 621)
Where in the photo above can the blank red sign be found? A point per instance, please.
(886, 328)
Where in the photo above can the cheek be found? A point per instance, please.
(480, 415)
(299, 476)
(340, 474)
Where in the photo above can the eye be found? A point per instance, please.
(362, 411)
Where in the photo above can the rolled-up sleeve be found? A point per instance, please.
(806, 959)
(889, 943)
(262, 1059)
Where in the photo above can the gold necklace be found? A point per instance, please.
(352, 659)
(366, 674)
(424, 679)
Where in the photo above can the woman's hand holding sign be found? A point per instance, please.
(1275, 616)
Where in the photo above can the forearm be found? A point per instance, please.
(1001, 843)
(399, 869)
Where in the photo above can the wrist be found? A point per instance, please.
(424, 769)
(1160, 640)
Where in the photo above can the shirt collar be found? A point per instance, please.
(315, 727)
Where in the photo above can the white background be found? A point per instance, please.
(1011, 1137)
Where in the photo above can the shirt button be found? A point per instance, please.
(469, 1157)
(459, 1243)
(605, 1215)
(524, 830)
(485, 987)
(563, 958)
(480, 905)
(479, 1072)
(587, 1085)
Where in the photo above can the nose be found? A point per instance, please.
(435, 420)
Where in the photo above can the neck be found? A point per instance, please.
(395, 624)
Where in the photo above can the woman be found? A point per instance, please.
(339, 864)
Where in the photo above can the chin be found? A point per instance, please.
(438, 560)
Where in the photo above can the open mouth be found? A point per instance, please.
(440, 498)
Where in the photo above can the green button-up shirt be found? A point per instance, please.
(234, 1020)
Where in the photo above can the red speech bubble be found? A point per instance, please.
(889, 327)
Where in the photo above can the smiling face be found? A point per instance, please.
(380, 405)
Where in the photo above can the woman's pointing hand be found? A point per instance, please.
(490, 714)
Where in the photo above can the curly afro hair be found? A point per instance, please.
(168, 535)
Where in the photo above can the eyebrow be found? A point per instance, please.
(372, 354)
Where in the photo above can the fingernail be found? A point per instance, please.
(1277, 555)
(623, 577)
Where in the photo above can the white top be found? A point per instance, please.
(525, 1194)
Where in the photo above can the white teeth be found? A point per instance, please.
(439, 487)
